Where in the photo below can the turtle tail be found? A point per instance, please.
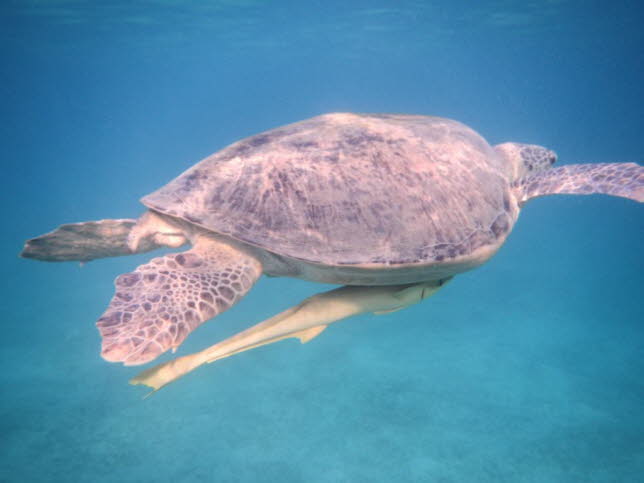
(616, 179)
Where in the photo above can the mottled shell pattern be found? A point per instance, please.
(351, 189)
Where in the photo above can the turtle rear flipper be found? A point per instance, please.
(85, 241)
(90, 240)
(157, 305)
(615, 179)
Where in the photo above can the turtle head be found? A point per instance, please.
(525, 159)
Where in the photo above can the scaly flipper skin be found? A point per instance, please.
(85, 241)
(304, 321)
(160, 303)
(616, 179)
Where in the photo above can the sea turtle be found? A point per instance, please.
(390, 206)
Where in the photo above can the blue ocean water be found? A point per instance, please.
(527, 369)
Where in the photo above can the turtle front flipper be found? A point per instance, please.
(615, 179)
(157, 305)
